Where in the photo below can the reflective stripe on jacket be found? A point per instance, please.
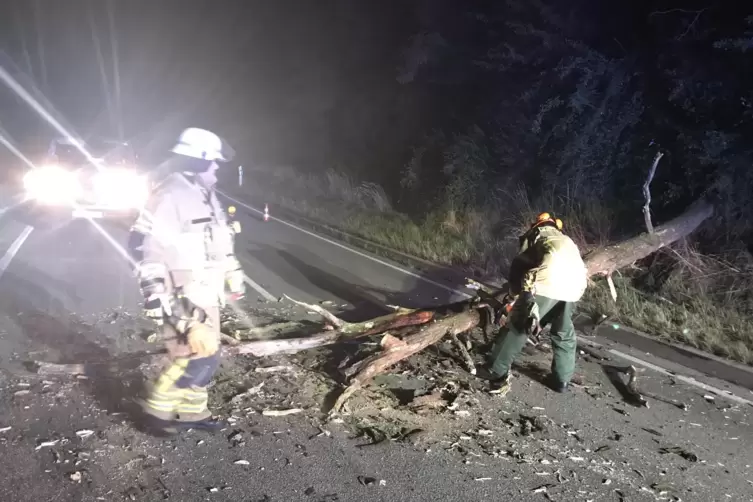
(185, 228)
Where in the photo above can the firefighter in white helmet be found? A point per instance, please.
(184, 247)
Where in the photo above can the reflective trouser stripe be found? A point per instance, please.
(166, 399)
(194, 404)
(194, 401)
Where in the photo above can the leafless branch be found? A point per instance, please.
(670, 11)
(647, 193)
(464, 353)
(692, 23)
(621, 46)
(329, 316)
(685, 11)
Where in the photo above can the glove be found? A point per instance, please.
(525, 315)
(234, 279)
(202, 340)
(156, 306)
(153, 288)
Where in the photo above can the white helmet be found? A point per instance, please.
(203, 144)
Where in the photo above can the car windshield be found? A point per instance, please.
(111, 153)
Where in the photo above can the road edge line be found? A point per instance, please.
(352, 250)
(664, 371)
(263, 292)
(684, 378)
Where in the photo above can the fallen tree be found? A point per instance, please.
(608, 259)
(424, 327)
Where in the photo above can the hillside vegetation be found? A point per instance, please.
(536, 114)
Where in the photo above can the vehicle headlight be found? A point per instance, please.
(52, 184)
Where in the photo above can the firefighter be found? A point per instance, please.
(547, 278)
(183, 247)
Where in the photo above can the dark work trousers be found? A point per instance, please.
(510, 340)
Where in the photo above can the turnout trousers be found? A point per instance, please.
(510, 341)
(180, 391)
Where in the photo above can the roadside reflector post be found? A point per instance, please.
(266, 212)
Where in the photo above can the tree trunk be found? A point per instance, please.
(606, 260)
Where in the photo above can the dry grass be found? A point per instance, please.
(683, 296)
(690, 298)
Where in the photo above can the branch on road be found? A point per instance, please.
(401, 318)
(329, 316)
(421, 328)
(395, 350)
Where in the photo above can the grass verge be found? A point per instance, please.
(681, 296)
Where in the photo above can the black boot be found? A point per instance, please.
(207, 424)
(500, 385)
(157, 427)
(556, 385)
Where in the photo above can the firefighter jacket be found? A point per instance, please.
(184, 229)
(549, 264)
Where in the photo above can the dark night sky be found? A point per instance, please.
(284, 80)
(271, 68)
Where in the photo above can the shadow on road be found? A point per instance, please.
(46, 327)
(615, 376)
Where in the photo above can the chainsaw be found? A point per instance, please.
(501, 308)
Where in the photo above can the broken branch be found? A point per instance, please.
(326, 314)
(464, 353)
(647, 193)
(395, 350)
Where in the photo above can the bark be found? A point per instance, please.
(348, 331)
(401, 318)
(395, 350)
(464, 353)
(606, 260)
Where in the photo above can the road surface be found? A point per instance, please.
(67, 294)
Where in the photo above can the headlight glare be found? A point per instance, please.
(52, 184)
(121, 188)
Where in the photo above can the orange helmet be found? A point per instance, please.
(547, 219)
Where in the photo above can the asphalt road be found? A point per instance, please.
(66, 294)
(284, 260)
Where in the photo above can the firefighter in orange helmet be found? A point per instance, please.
(547, 278)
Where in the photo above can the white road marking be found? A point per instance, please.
(354, 251)
(13, 249)
(686, 379)
(263, 292)
(683, 378)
